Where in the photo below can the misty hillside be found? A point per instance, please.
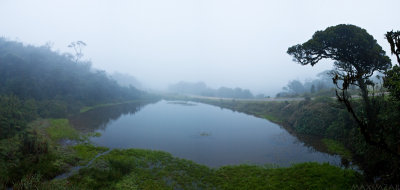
(126, 80)
(201, 89)
(39, 73)
(321, 86)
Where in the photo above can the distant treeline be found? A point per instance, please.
(126, 80)
(201, 89)
(322, 86)
(38, 82)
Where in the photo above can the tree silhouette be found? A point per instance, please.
(77, 47)
(392, 78)
(357, 57)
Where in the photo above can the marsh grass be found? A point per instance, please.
(61, 129)
(147, 169)
(86, 152)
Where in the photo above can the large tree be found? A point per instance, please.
(394, 40)
(392, 78)
(357, 56)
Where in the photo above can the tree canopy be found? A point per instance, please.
(354, 50)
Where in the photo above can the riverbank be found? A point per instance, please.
(147, 169)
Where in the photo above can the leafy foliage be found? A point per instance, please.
(337, 147)
(14, 115)
(394, 40)
(31, 153)
(354, 50)
(392, 77)
(392, 82)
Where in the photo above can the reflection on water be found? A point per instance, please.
(203, 133)
(100, 117)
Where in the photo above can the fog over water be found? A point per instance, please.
(228, 43)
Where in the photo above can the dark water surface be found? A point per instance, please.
(203, 133)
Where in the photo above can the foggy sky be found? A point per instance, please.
(232, 43)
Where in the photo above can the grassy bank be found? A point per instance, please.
(88, 108)
(148, 99)
(146, 169)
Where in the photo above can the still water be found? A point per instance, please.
(199, 132)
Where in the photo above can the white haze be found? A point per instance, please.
(232, 43)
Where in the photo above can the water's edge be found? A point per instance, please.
(76, 169)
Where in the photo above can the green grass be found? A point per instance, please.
(272, 118)
(298, 176)
(88, 108)
(336, 147)
(86, 152)
(147, 169)
(150, 170)
(61, 129)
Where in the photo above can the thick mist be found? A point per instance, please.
(227, 43)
